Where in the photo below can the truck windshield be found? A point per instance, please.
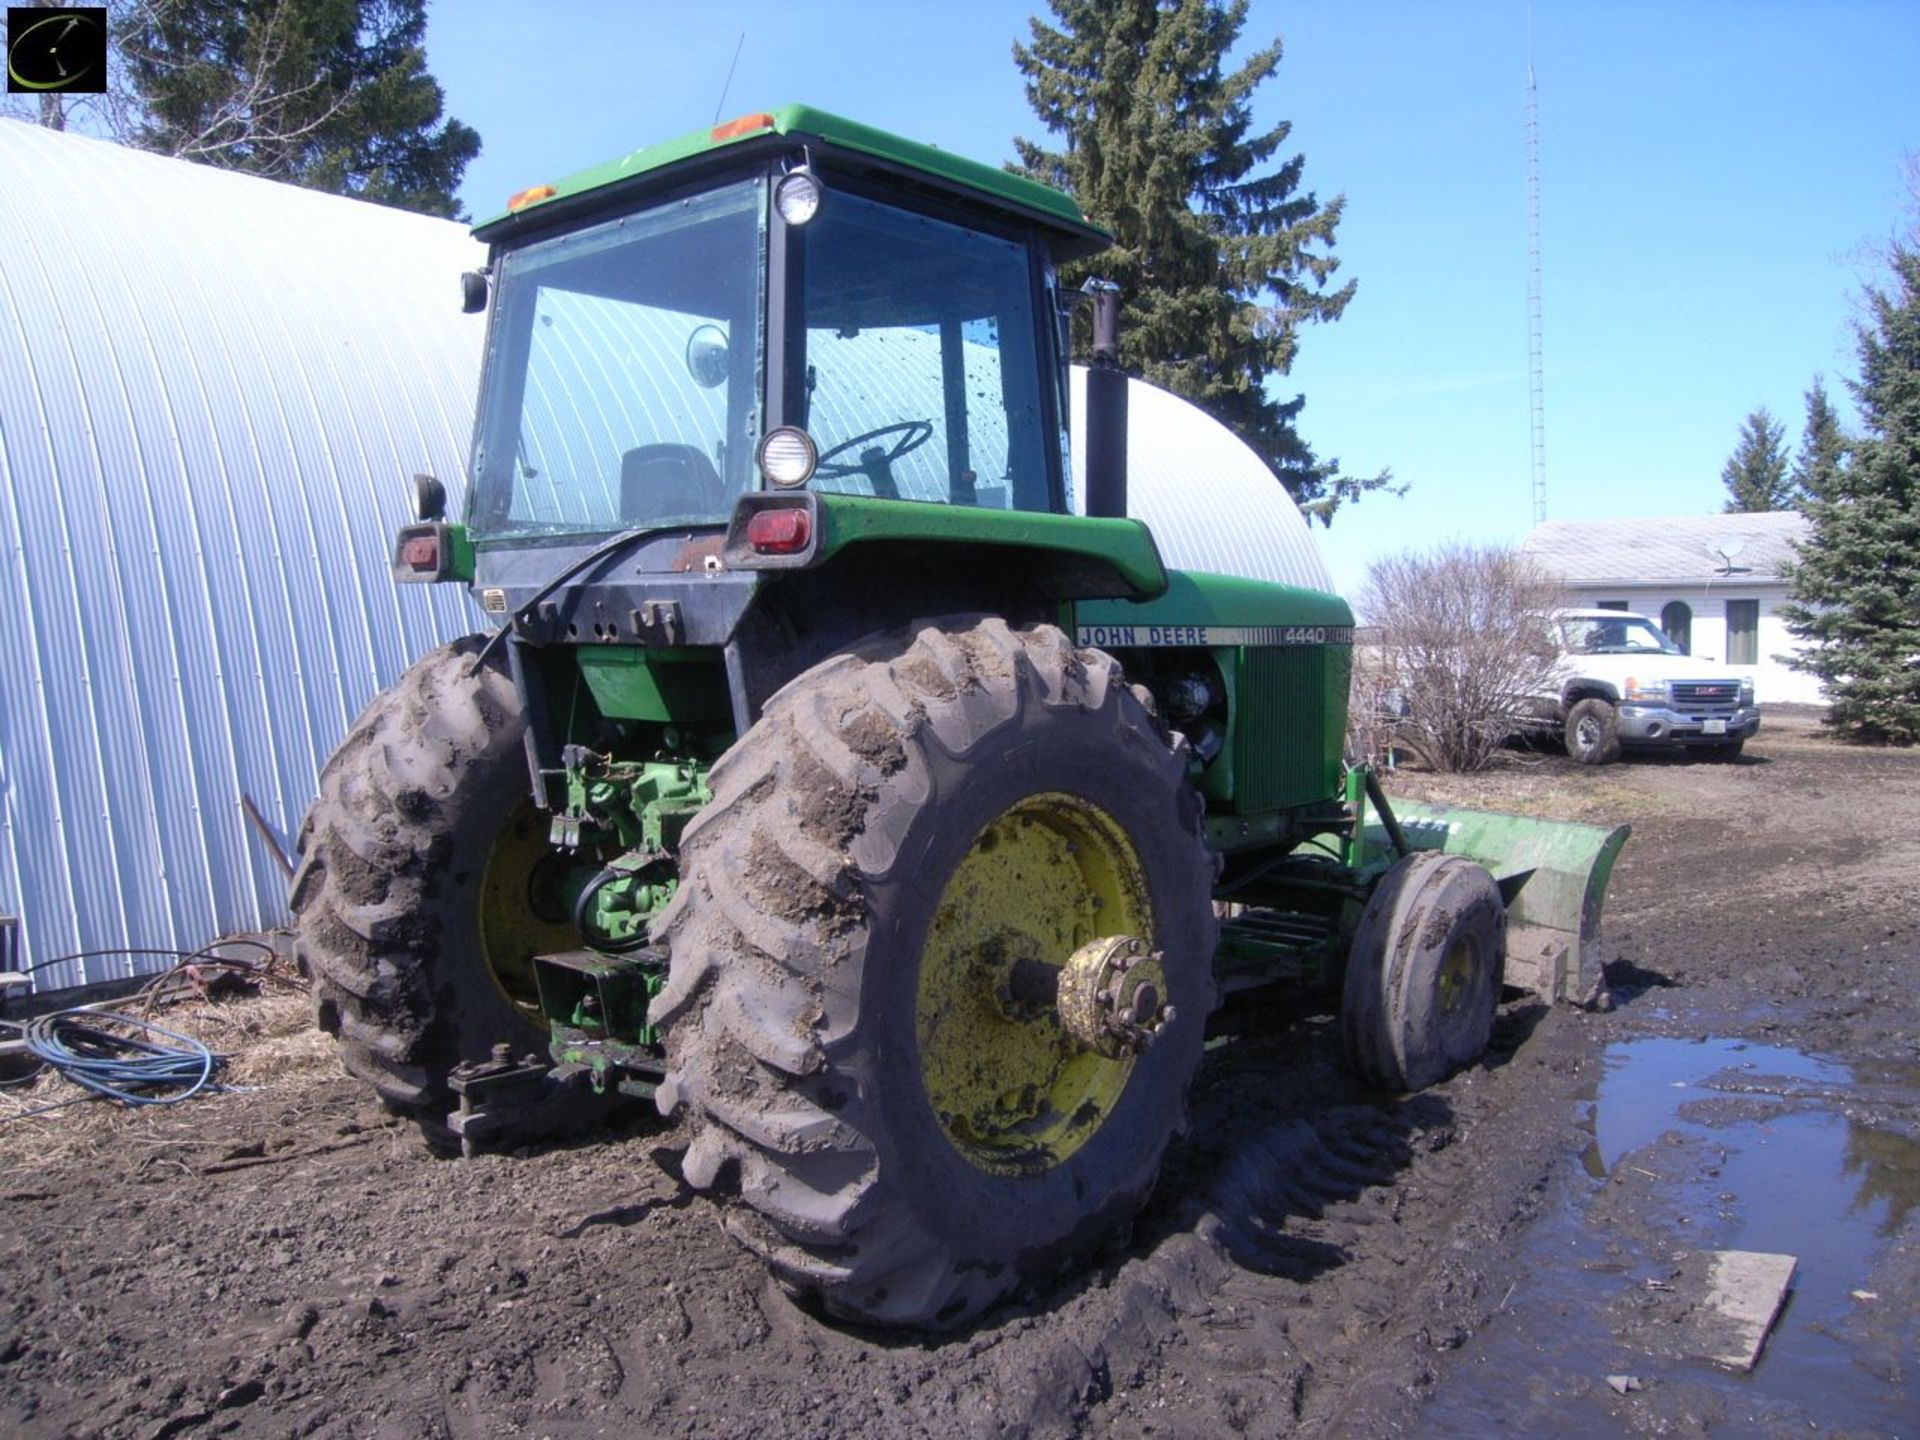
(1615, 635)
(622, 385)
(922, 378)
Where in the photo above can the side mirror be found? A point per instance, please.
(707, 356)
(473, 291)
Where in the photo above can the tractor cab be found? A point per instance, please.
(787, 301)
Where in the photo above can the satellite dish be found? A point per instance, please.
(1724, 552)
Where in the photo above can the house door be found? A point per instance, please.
(1677, 620)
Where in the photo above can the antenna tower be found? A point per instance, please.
(1536, 383)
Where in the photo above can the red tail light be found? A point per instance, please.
(421, 552)
(779, 532)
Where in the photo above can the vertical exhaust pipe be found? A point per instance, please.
(1106, 435)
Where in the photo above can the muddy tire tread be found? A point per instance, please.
(766, 936)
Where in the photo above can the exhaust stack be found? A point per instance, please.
(1106, 434)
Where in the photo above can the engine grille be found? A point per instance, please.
(1705, 697)
(1289, 706)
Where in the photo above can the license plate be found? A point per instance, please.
(1713, 727)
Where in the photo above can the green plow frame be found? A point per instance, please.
(1553, 873)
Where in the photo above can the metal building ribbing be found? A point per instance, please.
(212, 391)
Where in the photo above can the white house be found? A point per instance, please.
(1712, 582)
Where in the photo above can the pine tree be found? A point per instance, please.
(1856, 584)
(1219, 259)
(1823, 445)
(331, 94)
(1756, 473)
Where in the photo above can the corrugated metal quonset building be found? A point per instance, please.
(212, 391)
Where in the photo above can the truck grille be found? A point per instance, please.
(1706, 697)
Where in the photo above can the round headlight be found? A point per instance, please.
(797, 197)
(787, 456)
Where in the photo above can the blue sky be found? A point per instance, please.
(1713, 174)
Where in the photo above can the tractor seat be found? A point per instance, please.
(669, 482)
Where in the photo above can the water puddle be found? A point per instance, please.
(1702, 1145)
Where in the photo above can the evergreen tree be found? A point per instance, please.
(1756, 473)
(1856, 585)
(1823, 446)
(331, 94)
(1219, 259)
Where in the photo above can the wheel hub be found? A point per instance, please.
(1108, 997)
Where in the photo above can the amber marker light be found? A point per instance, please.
(532, 195)
(745, 125)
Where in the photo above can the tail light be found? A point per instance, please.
(779, 532)
(424, 553)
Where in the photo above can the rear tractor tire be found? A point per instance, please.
(413, 905)
(1424, 973)
(914, 831)
(1593, 732)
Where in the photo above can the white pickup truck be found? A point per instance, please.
(1622, 682)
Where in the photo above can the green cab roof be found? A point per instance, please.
(1039, 202)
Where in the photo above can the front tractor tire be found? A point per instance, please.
(1424, 972)
(914, 831)
(413, 906)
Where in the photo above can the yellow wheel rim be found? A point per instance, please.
(1457, 973)
(512, 930)
(1012, 1092)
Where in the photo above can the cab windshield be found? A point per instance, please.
(623, 371)
(921, 378)
(1621, 635)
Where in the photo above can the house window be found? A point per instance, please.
(1677, 620)
(1609, 604)
(1743, 632)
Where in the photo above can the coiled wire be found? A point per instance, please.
(132, 1068)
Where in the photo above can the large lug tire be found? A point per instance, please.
(906, 820)
(1593, 732)
(1424, 972)
(411, 904)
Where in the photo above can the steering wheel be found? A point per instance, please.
(913, 434)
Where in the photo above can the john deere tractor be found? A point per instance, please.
(824, 778)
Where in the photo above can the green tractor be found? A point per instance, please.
(830, 782)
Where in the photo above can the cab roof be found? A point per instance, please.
(843, 142)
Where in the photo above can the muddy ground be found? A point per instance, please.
(1318, 1260)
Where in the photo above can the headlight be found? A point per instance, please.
(1746, 690)
(797, 196)
(787, 456)
(1646, 690)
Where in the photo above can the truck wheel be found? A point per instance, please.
(413, 906)
(1593, 732)
(913, 1131)
(1424, 972)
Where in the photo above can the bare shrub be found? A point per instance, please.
(1375, 706)
(1463, 647)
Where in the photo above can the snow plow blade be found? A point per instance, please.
(1554, 875)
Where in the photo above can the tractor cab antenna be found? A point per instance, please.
(727, 84)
